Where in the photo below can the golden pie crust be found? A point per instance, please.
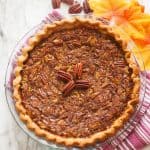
(100, 136)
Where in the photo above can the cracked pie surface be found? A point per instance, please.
(75, 83)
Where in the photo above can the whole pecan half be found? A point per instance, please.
(75, 8)
(64, 75)
(68, 88)
(69, 2)
(83, 84)
(56, 3)
(86, 7)
(78, 70)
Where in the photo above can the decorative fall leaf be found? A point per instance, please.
(131, 30)
(142, 42)
(132, 20)
(145, 40)
(126, 14)
(108, 8)
(130, 14)
(143, 46)
(136, 3)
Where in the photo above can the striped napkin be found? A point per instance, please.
(136, 133)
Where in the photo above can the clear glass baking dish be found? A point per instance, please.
(11, 103)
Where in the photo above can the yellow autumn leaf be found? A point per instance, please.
(108, 8)
(133, 21)
(126, 14)
(144, 19)
(145, 40)
(142, 42)
(136, 3)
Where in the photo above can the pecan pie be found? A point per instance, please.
(75, 83)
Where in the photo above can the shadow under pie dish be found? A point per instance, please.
(75, 83)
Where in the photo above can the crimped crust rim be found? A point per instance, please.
(80, 142)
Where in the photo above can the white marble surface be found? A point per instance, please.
(16, 18)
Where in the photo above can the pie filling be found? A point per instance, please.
(100, 85)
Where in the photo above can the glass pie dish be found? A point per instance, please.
(8, 89)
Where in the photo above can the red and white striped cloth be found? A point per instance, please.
(137, 135)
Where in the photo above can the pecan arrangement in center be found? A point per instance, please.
(73, 81)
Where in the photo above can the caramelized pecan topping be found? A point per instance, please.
(85, 111)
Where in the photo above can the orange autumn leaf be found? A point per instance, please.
(108, 8)
(140, 34)
(131, 13)
(134, 16)
(136, 3)
(112, 8)
(131, 30)
(125, 13)
(143, 42)
(129, 22)
(132, 20)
